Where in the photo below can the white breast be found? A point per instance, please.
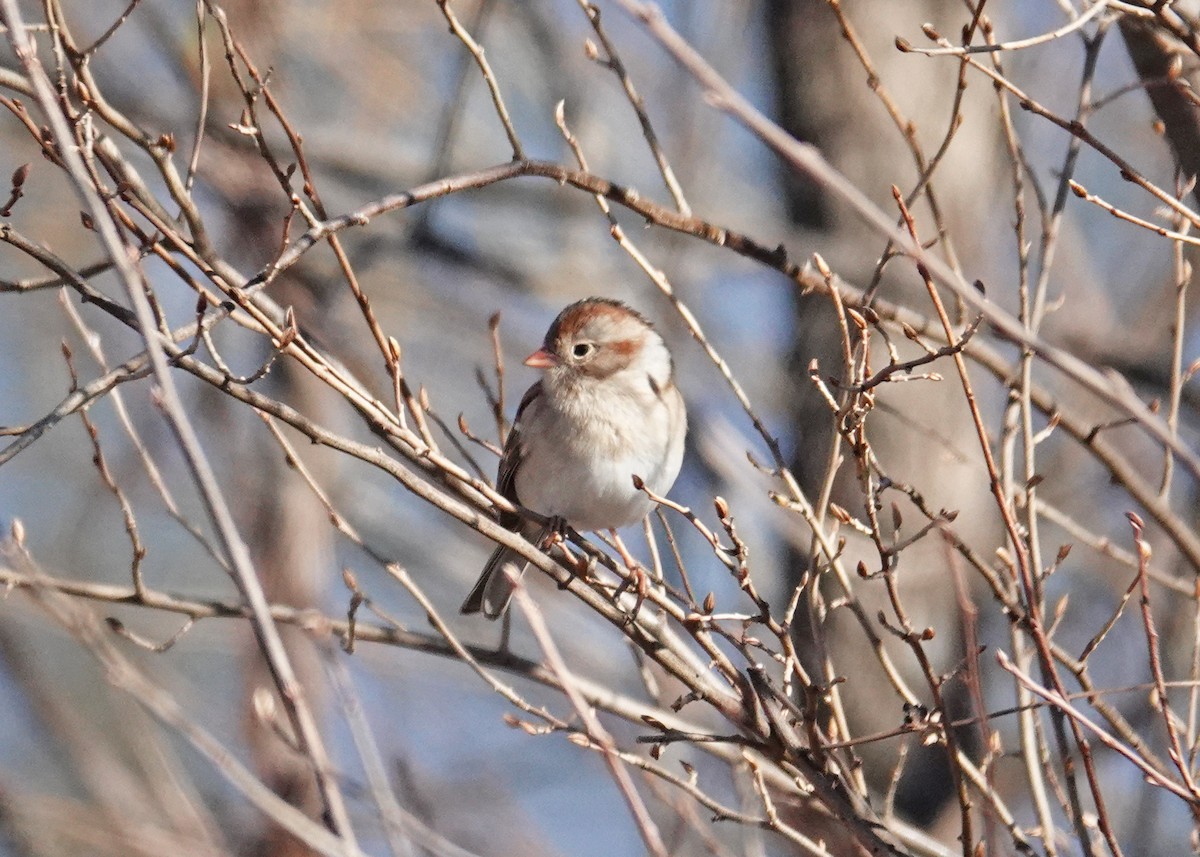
(581, 450)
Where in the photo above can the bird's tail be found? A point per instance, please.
(494, 589)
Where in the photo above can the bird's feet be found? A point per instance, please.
(554, 535)
(552, 532)
(637, 580)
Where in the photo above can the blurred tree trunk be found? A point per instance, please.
(282, 522)
(286, 529)
(822, 97)
(287, 534)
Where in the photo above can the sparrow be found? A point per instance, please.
(606, 409)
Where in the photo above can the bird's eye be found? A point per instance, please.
(582, 349)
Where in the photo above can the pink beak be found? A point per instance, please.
(541, 359)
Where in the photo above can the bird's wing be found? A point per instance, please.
(506, 478)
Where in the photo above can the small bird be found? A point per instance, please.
(606, 409)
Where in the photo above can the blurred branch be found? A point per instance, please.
(1157, 60)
